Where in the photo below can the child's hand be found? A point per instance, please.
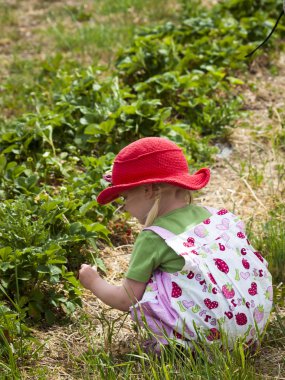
(88, 275)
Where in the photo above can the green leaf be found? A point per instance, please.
(27, 183)
(87, 206)
(4, 266)
(23, 301)
(51, 205)
(4, 282)
(83, 121)
(5, 252)
(107, 126)
(25, 276)
(77, 229)
(92, 129)
(54, 279)
(54, 270)
(72, 280)
(98, 227)
(57, 260)
(3, 163)
(128, 110)
(68, 307)
(234, 80)
(100, 264)
(43, 269)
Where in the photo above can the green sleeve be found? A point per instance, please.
(145, 257)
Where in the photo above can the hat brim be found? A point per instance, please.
(191, 182)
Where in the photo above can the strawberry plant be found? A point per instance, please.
(250, 8)
(37, 244)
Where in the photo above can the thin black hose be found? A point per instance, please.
(267, 38)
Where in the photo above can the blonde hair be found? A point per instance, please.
(153, 212)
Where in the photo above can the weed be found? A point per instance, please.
(271, 240)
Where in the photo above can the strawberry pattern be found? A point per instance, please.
(253, 289)
(176, 290)
(224, 284)
(258, 313)
(221, 265)
(241, 319)
(245, 264)
(211, 304)
(228, 291)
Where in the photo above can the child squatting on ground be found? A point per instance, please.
(192, 270)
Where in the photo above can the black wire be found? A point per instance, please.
(267, 38)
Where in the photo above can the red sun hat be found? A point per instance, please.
(151, 160)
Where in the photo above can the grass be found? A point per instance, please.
(86, 356)
(83, 354)
(271, 239)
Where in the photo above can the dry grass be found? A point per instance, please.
(235, 181)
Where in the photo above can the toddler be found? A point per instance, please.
(192, 271)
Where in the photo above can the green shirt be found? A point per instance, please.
(151, 252)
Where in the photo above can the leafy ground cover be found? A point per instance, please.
(183, 79)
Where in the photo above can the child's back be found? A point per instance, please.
(223, 287)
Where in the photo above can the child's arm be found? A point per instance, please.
(118, 297)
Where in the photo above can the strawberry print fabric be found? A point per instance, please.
(224, 286)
